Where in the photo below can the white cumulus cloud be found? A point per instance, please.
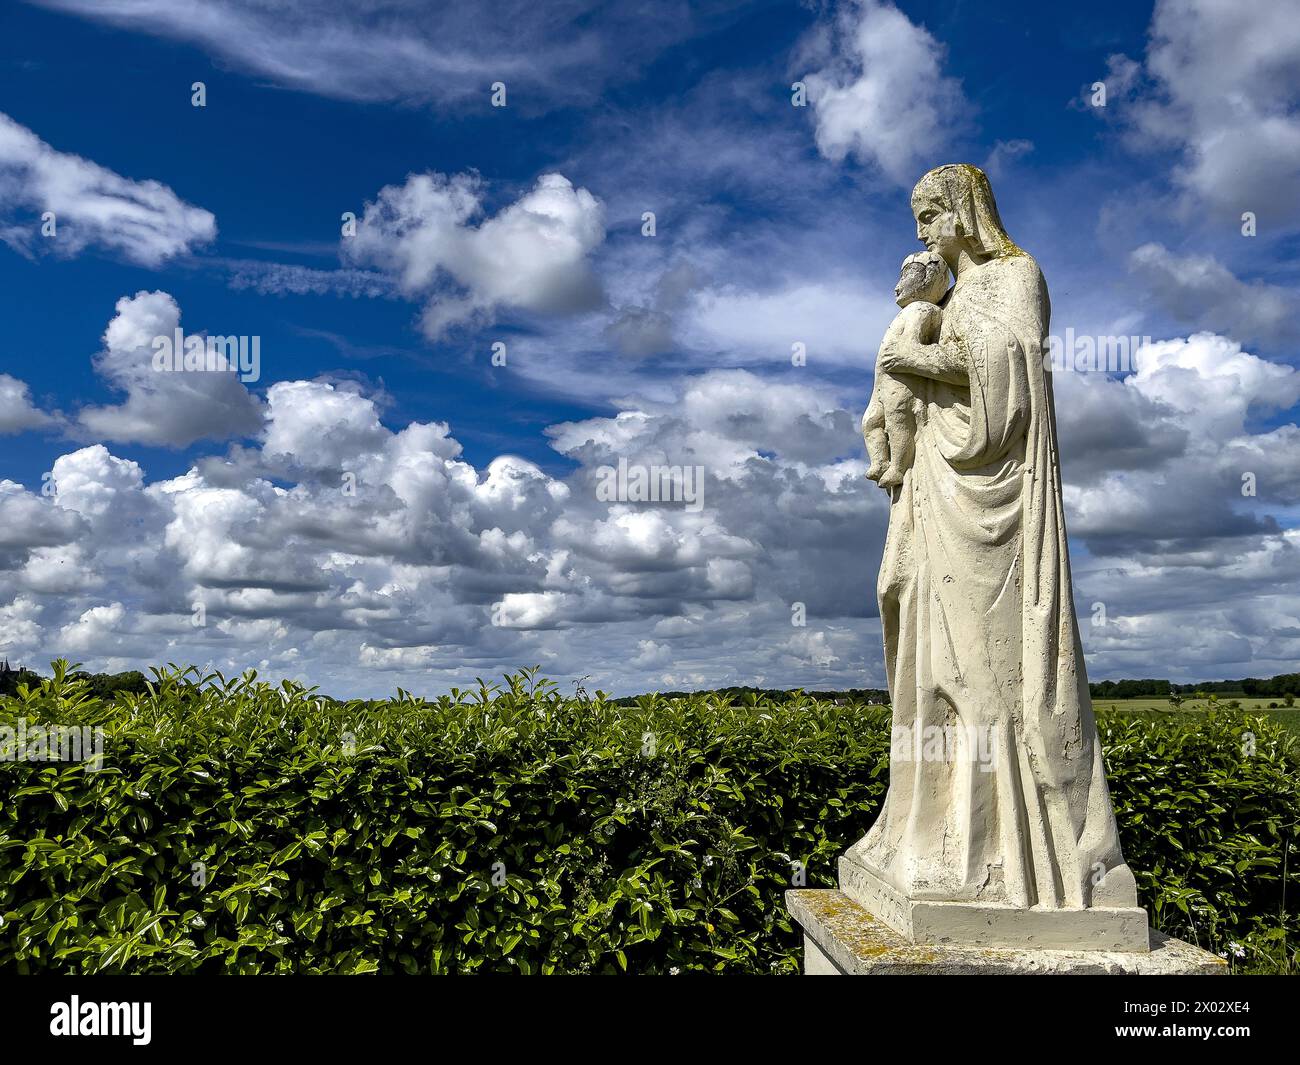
(17, 414)
(531, 256)
(171, 408)
(878, 91)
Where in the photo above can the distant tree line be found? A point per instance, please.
(11, 678)
(102, 685)
(1282, 684)
(877, 696)
(1132, 689)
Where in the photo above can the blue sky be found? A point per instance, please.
(474, 542)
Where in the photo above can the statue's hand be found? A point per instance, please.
(924, 360)
(895, 357)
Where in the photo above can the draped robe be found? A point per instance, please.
(980, 633)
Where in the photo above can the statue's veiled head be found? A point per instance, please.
(955, 212)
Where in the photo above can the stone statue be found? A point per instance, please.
(998, 827)
(889, 422)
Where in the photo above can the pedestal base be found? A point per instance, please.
(843, 939)
(992, 925)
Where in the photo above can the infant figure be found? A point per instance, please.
(889, 423)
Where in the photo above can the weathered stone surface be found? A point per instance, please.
(843, 939)
(993, 924)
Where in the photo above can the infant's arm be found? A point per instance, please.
(920, 321)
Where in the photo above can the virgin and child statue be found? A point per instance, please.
(998, 825)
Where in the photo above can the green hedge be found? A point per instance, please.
(1207, 805)
(240, 827)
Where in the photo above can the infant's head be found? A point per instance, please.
(924, 277)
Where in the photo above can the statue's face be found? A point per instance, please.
(937, 228)
(911, 284)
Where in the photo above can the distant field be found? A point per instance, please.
(1288, 717)
(1155, 702)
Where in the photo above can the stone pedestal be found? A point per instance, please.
(921, 921)
(843, 939)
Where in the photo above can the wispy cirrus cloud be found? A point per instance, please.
(292, 279)
(419, 52)
(143, 221)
